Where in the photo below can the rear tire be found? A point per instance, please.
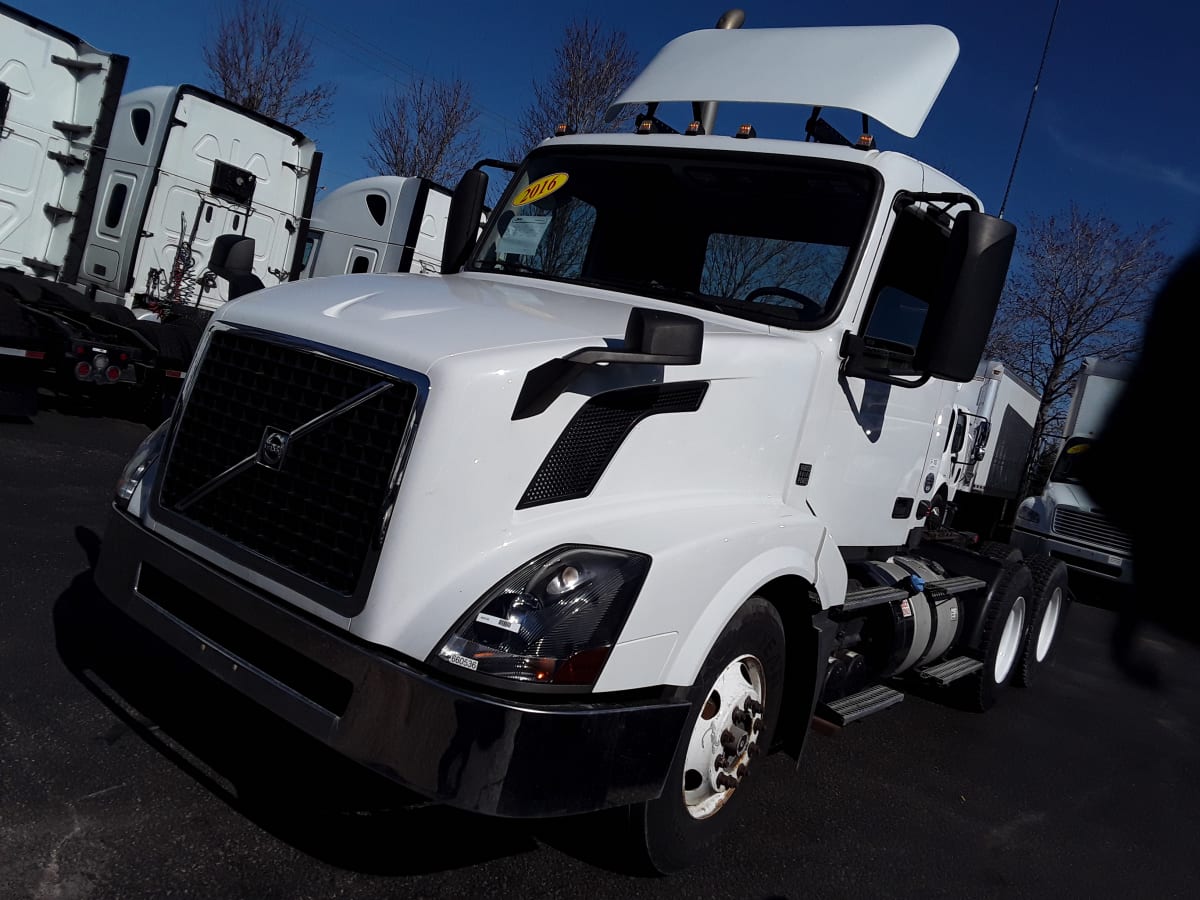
(1005, 629)
(744, 668)
(1050, 601)
(999, 551)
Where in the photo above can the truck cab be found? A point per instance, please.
(629, 495)
(1064, 521)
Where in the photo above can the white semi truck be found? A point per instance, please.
(979, 449)
(1064, 522)
(386, 223)
(630, 495)
(120, 211)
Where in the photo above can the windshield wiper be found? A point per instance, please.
(508, 265)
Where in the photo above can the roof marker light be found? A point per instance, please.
(694, 128)
(746, 131)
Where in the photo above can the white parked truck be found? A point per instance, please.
(1063, 521)
(386, 223)
(979, 448)
(629, 496)
(121, 212)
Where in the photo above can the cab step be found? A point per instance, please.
(860, 705)
(873, 596)
(951, 670)
(959, 584)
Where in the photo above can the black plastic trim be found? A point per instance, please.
(310, 197)
(591, 439)
(514, 758)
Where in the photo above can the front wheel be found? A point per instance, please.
(735, 707)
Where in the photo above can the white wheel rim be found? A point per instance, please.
(1010, 641)
(707, 762)
(1049, 627)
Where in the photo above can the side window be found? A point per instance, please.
(377, 207)
(115, 205)
(139, 119)
(908, 282)
(362, 259)
(960, 435)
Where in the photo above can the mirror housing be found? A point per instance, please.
(976, 266)
(462, 222)
(232, 258)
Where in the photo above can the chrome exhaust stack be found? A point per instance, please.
(705, 111)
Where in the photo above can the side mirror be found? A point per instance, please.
(977, 258)
(462, 222)
(232, 258)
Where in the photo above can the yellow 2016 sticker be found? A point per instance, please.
(541, 188)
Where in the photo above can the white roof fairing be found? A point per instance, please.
(893, 73)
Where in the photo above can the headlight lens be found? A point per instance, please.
(1028, 514)
(553, 621)
(145, 455)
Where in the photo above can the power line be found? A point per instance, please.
(352, 39)
(1029, 113)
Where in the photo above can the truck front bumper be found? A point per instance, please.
(1094, 561)
(494, 755)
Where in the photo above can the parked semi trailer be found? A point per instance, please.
(630, 496)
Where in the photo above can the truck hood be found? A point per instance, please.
(416, 320)
(1060, 493)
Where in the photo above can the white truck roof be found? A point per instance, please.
(892, 73)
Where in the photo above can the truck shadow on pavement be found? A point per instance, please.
(280, 779)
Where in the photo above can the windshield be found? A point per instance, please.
(762, 237)
(1071, 465)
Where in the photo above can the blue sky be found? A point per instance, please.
(1115, 128)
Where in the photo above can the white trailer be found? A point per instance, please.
(1064, 521)
(387, 223)
(630, 495)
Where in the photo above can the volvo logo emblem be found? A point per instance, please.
(273, 447)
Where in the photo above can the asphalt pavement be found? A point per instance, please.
(125, 773)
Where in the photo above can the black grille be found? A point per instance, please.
(583, 451)
(318, 512)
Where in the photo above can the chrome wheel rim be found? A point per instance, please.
(1049, 627)
(1010, 641)
(724, 739)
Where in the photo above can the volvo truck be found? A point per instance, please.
(627, 498)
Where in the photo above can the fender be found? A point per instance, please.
(678, 600)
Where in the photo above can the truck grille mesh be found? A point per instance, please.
(1092, 528)
(583, 451)
(318, 513)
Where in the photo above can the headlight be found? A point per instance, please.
(553, 621)
(1028, 514)
(146, 453)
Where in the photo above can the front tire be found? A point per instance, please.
(735, 707)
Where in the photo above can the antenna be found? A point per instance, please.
(1029, 113)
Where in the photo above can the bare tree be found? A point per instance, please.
(592, 66)
(262, 60)
(1082, 287)
(426, 128)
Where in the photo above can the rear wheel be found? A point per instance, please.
(1049, 604)
(736, 703)
(1005, 629)
(999, 551)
